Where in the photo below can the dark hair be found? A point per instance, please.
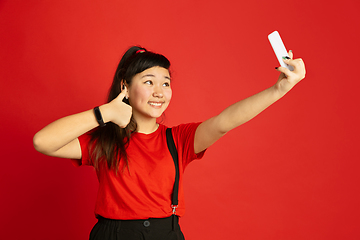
(110, 142)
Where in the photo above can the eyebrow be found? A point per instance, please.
(152, 75)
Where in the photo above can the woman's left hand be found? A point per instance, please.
(288, 79)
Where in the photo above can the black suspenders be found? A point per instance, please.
(174, 154)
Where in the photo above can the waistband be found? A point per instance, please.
(171, 222)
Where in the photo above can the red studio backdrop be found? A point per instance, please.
(290, 173)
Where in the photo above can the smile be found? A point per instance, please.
(156, 104)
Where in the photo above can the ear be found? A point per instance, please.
(123, 84)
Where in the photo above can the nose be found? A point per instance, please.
(157, 92)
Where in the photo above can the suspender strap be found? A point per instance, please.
(174, 154)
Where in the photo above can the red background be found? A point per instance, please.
(290, 173)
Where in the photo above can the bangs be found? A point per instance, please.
(142, 61)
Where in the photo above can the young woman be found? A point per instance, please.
(129, 150)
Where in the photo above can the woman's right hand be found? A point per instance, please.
(117, 111)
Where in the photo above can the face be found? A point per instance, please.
(150, 93)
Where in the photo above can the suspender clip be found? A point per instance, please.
(174, 208)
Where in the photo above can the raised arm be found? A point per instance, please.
(233, 116)
(60, 138)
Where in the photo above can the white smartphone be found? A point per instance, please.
(279, 49)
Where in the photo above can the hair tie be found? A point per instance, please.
(140, 51)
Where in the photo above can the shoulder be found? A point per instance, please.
(184, 132)
(185, 128)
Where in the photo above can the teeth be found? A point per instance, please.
(155, 104)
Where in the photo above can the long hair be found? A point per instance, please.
(109, 143)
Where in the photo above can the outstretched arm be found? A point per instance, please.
(233, 116)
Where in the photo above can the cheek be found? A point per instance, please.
(168, 94)
(140, 94)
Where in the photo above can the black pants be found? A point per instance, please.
(149, 229)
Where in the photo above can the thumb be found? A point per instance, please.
(122, 94)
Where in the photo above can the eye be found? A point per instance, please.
(149, 82)
(166, 84)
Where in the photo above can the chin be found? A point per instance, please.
(156, 115)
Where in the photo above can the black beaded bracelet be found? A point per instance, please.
(98, 117)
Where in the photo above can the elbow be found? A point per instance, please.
(223, 128)
(38, 143)
(222, 131)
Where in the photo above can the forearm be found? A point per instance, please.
(246, 109)
(59, 138)
(233, 116)
(62, 131)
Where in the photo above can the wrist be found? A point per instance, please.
(98, 117)
(105, 113)
(277, 91)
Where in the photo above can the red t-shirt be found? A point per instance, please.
(144, 191)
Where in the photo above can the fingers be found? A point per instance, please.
(299, 69)
(297, 63)
(284, 70)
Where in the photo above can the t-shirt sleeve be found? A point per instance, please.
(184, 136)
(84, 144)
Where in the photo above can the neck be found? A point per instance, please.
(147, 127)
